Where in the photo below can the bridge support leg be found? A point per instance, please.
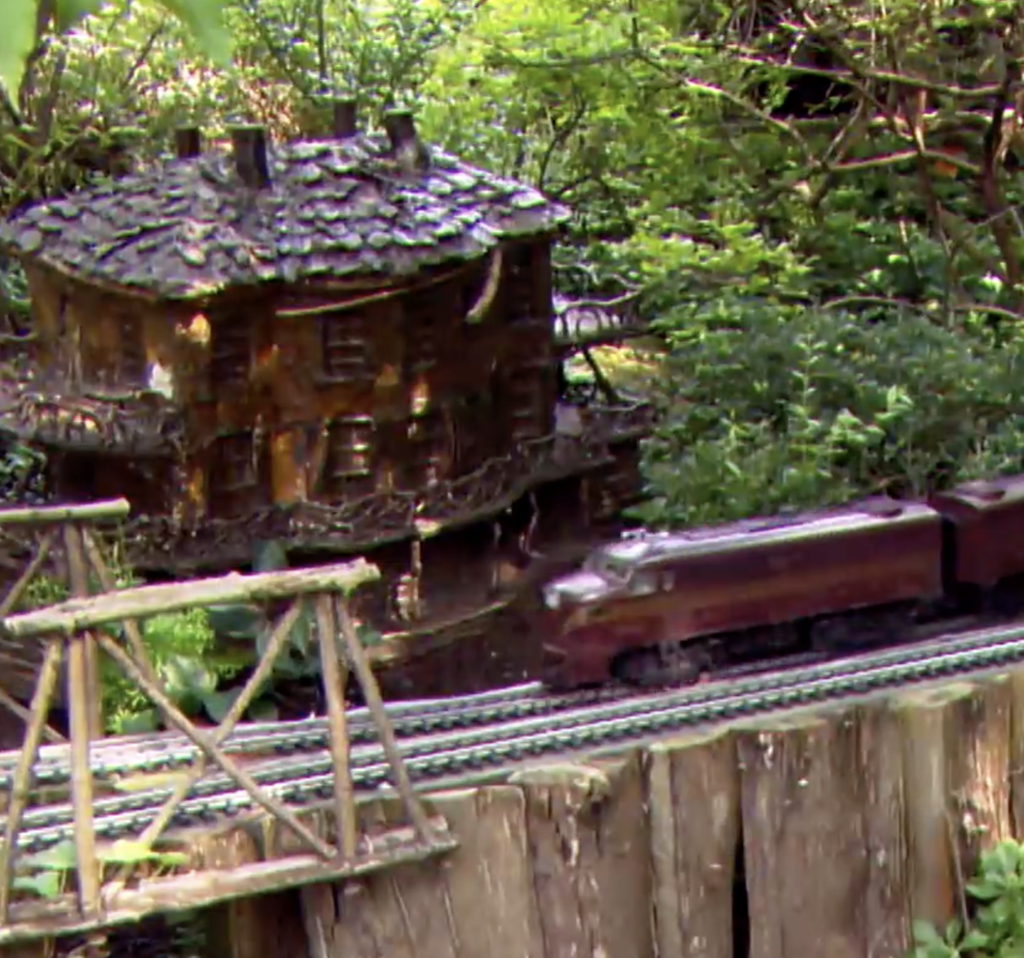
(371, 692)
(334, 693)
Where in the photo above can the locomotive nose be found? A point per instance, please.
(552, 668)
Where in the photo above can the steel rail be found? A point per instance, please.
(170, 750)
(167, 751)
(477, 756)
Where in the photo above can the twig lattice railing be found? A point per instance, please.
(68, 626)
(73, 527)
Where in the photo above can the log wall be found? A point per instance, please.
(815, 833)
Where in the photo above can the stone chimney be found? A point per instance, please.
(346, 119)
(411, 154)
(250, 148)
(188, 142)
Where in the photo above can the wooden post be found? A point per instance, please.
(43, 515)
(76, 615)
(693, 789)
(334, 692)
(81, 779)
(45, 685)
(74, 545)
(371, 692)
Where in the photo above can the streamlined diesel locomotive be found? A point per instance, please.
(668, 607)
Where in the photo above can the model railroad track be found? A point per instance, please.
(115, 757)
(474, 755)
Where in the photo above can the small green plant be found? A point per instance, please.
(183, 649)
(45, 874)
(184, 652)
(997, 927)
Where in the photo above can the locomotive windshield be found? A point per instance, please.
(617, 561)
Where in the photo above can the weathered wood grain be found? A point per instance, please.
(956, 742)
(806, 869)
(887, 915)
(589, 848)
(694, 815)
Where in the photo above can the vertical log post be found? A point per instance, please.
(81, 777)
(334, 692)
(375, 705)
(74, 545)
(40, 707)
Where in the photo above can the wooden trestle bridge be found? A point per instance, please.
(108, 887)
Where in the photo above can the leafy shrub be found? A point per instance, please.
(997, 928)
(767, 407)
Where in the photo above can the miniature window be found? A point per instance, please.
(345, 345)
(133, 352)
(230, 352)
(235, 463)
(518, 283)
(527, 405)
(350, 447)
(234, 476)
(428, 448)
(643, 583)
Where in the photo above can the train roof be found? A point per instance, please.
(651, 548)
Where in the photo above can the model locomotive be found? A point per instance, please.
(668, 607)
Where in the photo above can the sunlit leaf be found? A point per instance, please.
(205, 19)
(47, 884)
(69, 12)
(17, 39)
(125, 852)
(147, 720)
(59, 857)
(147, 781)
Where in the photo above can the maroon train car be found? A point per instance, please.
(661, 589)
(987, 541)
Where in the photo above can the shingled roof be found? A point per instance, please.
(344, 208)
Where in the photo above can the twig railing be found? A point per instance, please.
(73, 526)
(65, 626)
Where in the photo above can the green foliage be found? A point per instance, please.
(45, 874)
(183, 649)
(185, 654)
(767, 407)
(997, 928)
(20, 35)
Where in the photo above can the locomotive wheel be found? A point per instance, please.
(667, 664)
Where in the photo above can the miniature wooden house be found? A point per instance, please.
(333, 343)
(301, 314)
